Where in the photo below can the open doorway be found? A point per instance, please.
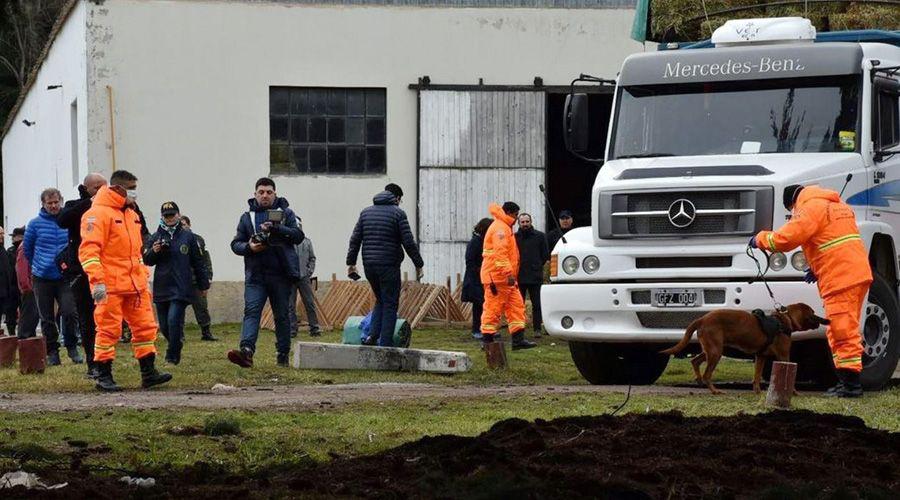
(570, 179)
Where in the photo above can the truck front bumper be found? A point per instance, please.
(622, 312)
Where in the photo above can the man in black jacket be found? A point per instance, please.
(266, 236)
(565, 225)
(9, 289)
(533, 253)
(383, 232)
(199, 303)
(69, 218)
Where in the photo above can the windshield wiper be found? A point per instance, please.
(643, 155)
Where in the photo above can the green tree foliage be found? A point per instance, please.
(685, 20)
(24, 28)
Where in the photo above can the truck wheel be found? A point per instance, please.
(616, 364)
(880, 323)
(814, 363)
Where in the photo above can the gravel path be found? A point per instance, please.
(300, 396)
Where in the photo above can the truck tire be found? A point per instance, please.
(880, 324)
(617, 364)
(814, 363)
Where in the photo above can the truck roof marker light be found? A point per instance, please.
(764, 31)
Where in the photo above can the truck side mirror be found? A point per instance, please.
(576, 125)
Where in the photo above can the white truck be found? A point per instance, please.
(701, 145)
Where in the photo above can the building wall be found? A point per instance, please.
(190, 86)
(40, 156)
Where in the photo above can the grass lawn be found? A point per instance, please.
(204, 365)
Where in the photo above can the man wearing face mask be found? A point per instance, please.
(266, 238)
(110, 254)
(70, 219)
(533, 254)
(176, 255)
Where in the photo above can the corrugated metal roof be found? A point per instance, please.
(532, 4)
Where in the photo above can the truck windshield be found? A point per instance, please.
(799, 115)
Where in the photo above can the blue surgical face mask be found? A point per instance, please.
(132, 193)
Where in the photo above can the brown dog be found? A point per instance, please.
(741, 330)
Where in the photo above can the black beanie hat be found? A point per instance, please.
(790, 195)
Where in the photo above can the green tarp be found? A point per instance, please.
(641, 13)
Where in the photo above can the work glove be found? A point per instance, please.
(752, 243)
(99, 293)
(810, 277)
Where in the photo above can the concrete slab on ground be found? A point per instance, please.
(322, 356)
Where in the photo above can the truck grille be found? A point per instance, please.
(707, 212)
(673, 262)
(668, 319)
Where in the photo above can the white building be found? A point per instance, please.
(199, 98)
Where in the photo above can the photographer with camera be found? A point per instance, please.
(176, 255)
(266, 236)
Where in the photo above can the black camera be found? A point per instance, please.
(261, 238)
(164, 243)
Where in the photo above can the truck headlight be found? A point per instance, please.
(591, 264)
(798, 261)
(777, 261)
(570, 264)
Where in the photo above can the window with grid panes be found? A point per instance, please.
(326, 130)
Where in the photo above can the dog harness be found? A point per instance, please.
(770, 326)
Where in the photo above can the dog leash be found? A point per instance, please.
(761, 275)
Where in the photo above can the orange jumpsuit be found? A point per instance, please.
(500, 260)
(825, 227)
(110, 254)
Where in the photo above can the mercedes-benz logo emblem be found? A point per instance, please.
(682, 213)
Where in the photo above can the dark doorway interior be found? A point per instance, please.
(570, 179)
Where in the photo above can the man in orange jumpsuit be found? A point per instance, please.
(499, 268)
(110, 254)
(825, 228)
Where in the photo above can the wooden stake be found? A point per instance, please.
(781, 385)
(496, 355)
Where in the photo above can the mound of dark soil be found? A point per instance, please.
(795, 454)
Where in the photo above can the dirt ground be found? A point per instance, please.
(795, 454)
(298, 396)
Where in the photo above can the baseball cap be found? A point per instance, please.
(169, 208)
(565, 214)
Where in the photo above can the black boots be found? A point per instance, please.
(150, 376)
(75, 355)
(207, 335)
(105, 380)
(282, 359)
(92, 371)
(53, 358)
(848, 385)
(520, 342)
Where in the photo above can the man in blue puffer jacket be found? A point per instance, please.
(44, 240)
(383, 232)
(175, 253)
(265, 237)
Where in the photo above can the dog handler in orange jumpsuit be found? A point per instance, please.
(110, 254)
(825, 228)
(499, 268)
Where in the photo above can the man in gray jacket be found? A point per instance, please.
(307, 258)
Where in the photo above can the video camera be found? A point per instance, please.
(273, 216)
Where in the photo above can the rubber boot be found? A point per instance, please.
(207, 335)
(75, 355)
(150, 376)
(520, 342)
(92, 372)
(848, 386)
(105, 382)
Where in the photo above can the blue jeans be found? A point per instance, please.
(277, 290)
(385, 283)
(171, 324)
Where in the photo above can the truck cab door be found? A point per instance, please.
(884, 189)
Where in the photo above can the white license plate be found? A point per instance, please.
(677, 297)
